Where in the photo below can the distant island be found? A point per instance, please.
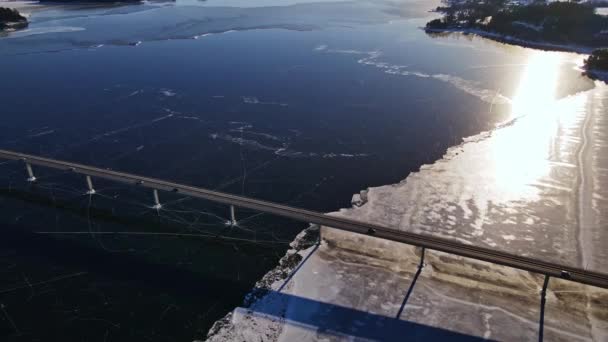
(553, 25)
(554, 22)
(11, 19)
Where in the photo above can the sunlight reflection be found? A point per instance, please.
(522, 153)
(536, 90)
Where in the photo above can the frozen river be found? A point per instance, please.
(299, 102)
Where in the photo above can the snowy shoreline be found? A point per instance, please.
(539, 45)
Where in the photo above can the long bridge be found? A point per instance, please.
(547, 269)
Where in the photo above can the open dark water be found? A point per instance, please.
(301, 103)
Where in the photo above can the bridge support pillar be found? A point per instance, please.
(413, 283)
(232, 221)
(320, 233)
(543, 300)
(421, 264)
(157, 204)
(90, 189)
(30, 172)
